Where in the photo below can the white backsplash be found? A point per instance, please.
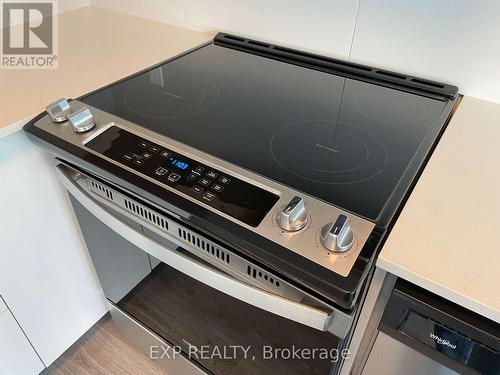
(321, 26)
(455, 41)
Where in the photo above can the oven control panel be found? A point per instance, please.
(228, 194)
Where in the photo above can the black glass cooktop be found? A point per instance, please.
(345, 141)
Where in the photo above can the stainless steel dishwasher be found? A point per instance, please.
(421, 333)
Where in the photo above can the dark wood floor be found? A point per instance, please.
(101, 350)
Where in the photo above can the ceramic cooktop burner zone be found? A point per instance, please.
(330, 153)
(170, 96)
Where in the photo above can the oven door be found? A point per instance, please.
(204, 308)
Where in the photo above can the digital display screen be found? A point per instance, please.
(179, 164)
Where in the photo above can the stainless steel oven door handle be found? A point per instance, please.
(262, 299)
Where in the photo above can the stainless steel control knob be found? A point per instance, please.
(81, 120)
(59, 110)
(293, 216)
(337, 236)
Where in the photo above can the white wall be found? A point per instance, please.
(326, 27)
(455, 41)
(45, 271)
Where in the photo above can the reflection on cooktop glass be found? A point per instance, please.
(345, 141)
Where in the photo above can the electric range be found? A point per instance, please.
(279, 169)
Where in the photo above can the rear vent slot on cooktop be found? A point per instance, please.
(333, 65)
(427, 83)
(260, 44)
(205, 246)
(236, 38)
(146, 214)
(391, 74)
(320, 59)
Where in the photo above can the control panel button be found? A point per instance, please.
(160, 171)
(205, 182)
(144, 144)
(192, 176)
(337, 236)
(154, 149)
(293, 216)
(209, 196)
(138, 161)
(165, 154)
(218, 188)
(199, 169)
(147, 155)
(128, 157)
(224, 180)
(197, 189)
(173, 177)
(211, 174)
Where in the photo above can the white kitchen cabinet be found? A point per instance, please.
(17, 356)
(3, 306)
(53, 292)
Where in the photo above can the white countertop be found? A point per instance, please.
(96, 47)
(447, 238)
